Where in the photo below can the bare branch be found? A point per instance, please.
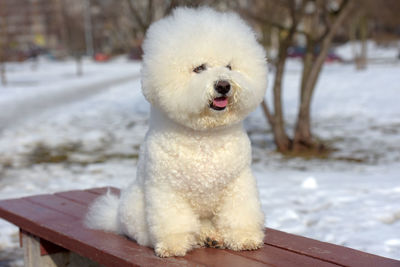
(329, 25)
(325, 17)
(267, 113)
(313, 76)
(265, 20)
(292, 10)
(262, 19)
(297, 15)
(149, 17)
(136, 15)
(171, 6)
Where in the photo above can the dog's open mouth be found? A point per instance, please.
(219, 103)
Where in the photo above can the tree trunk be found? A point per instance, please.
(307, 64)
(3, 44)
(79, 68)
(267, 39)
(281, 139)
(353, 38)
(362, 60)
(303, 139)
(3, 73)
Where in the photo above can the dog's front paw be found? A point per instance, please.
(244, 240)
(213, 243)
(174, 245)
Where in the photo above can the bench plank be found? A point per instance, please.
(68, 232)
(75, 208)
(330, 253)
(86, 197)
(280, 257)
(78, 196)
(340, 255)
(77, 211)
(58, 219)
(269, 255)
(103, 190)
(60, 204)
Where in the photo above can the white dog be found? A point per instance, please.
(203, 73)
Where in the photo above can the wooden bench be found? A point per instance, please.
(52, 234)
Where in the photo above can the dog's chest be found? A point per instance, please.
(201, 165)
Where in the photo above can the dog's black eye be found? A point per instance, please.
(229, 67)
(200, 68)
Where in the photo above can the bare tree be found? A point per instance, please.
(312, 65)
(319, 21)
(286, 35)
(120, 26)
(358, 30)
(143, 13)
(3, 45)
(2, 59)
(72, 20)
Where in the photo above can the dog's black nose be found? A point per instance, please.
(222, 87)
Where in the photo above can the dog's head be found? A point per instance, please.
(202, 68)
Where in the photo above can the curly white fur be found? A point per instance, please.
(194, 183)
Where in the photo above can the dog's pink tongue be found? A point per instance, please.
(220, 102)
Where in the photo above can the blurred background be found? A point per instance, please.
(326, 140)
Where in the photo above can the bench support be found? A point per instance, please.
(36, 254)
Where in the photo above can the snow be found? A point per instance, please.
(351, 198)
(359, 211)
(309, 183)
(374, 50)
(56, 84)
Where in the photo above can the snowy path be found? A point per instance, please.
(30, 104)
(53, 84)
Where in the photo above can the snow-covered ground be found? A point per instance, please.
(351, 198)
(50, 84)
(375, 51)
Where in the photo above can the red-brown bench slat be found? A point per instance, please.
(68, 232)
(80, 196)
(61, 202)
(279, 256)
(58, 219)
(340, 255)
(304, 246)
(103, 190)
(273, 257)
(65, 203)
(76, 211)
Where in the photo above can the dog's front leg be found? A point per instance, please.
(240, 220)
(172, 223)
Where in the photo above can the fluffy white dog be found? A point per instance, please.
(203, 73)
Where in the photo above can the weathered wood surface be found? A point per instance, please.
(58, 219)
